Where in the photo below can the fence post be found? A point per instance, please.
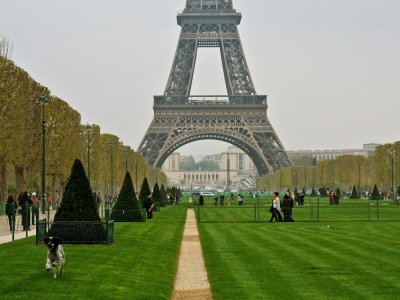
(13, 222)
(318, 210)
(312, 212)
(27, 219)
(37, 227)
(107, 233)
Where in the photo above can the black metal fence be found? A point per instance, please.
(311, 211)
(77, 232)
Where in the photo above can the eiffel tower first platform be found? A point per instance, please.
(239, 118)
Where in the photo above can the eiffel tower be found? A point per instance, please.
(238, 118)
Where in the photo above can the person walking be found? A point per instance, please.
(201, 200)
(287, 208)
(34, 207)
(240, 200)
(11, 207)
(148, 205)
(276, 212)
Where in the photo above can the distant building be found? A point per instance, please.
(367, 150)
(241, 169)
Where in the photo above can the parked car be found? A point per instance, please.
(207, 194)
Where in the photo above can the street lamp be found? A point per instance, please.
(126, 160)
(88, 128)
(392, 153)
(136, 174)
(111, 143)
(43, 100)
(228, 175)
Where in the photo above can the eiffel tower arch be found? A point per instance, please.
(239, 118)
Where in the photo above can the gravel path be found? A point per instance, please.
(191, 281)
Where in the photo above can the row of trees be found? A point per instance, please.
(104, 156)
(343, 172)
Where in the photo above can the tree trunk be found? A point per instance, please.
(3, 178)
(20, 179)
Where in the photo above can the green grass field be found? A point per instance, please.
(141, 264)
(302, 260)
(244, 260)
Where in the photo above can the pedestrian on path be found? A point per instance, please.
(34, 207)
(11, 207)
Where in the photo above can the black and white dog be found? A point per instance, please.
(55, 255)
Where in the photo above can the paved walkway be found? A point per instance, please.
(17, 236)
(191, 281)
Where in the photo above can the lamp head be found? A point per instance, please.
(43, 99)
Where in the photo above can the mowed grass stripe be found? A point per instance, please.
(259, 282)
(336, 264)
(141, 264)
(320, 263)
(295, 260)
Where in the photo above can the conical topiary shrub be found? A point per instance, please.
(375, 194)
(354, 194)
(77, 205)
(156, 195)
(127, 208)
(144, 191)
(163, 193)
(313, 193)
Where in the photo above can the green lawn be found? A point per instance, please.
(357, 260)
(302, 260)
(141, 264)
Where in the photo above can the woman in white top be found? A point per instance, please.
(276, 213)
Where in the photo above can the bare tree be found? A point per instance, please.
(5, 47)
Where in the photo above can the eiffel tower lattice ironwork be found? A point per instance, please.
(239, 118)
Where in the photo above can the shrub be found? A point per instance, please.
(163, 196)
(77, 205)
(354, 194)
(144, 191)
(127, 208)
(313, 193)
(156, 194)
(375, 193)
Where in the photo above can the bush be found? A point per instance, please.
(313, 193)
(354, 194)
(127, 208)
(77, 205)
(144, 191)
(375, 194)
(156, 195)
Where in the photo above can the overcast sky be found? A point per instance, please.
(330, 68)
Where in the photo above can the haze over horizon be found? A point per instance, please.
(330, 68)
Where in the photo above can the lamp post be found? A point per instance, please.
(392, 153)
(126, 160)
(228, 175)
(359, 176)
(43, 100)
(88, 128)
(111, 143)
(136, 174)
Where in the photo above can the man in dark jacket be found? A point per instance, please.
(11, 206)
(287, 207)
(148, 205)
